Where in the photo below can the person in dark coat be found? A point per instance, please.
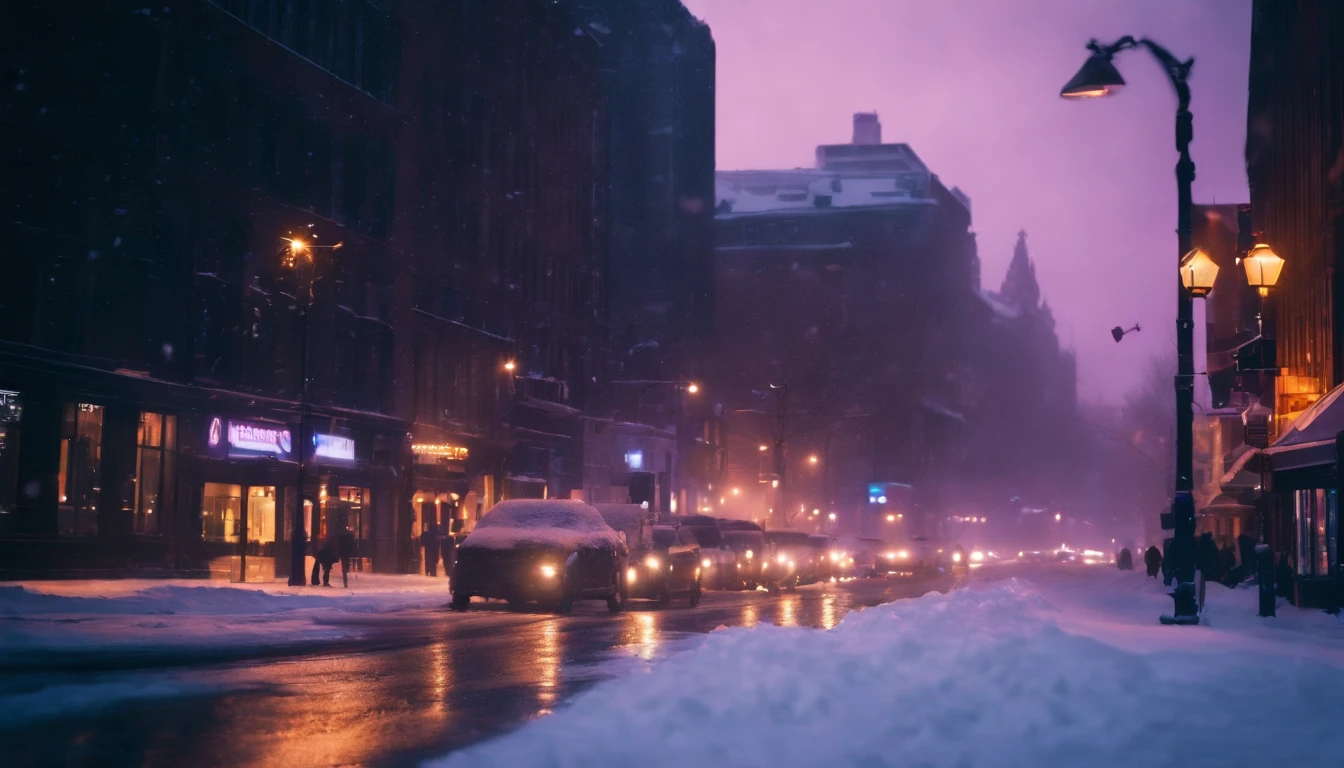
(326, 557)
(1152, 560)
(1125, 561)
(1206, 557)
(449, 549)
(1246, 545)
(345, 549)
(1168, 570)
(1283, 577)
(1227, 563)
(429, 540)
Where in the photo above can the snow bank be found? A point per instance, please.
(141, 616)
(558, 523)
(1067, 669)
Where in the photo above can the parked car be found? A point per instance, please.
(716, 561)
(746, 540)
(669, 568)
(551, 552)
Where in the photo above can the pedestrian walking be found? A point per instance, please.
(1283, 577)
(449, 549)
(345, 549)
(326, 557)
(1227, 565)
(429, 540)
(1206, 557)
(1246, 544)
(1152, 561)
(1125, 561)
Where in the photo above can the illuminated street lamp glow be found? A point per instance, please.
(510, 366)
(891, 518)
(763, 448)
(1058, 517)
(737, 491)
(692, 388)
(1198, 272)
(1262, 266)
(813, 459)
(831, 517)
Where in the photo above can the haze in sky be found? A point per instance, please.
(973, 87)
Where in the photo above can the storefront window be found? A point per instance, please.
(11, 411)
(1317, 531)
(155, 460)
(357, 504)
(221, 511)
(81, 452)
(261, 514)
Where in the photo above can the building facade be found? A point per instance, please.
(153, 332)
(1294, 151)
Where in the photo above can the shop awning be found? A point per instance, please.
(1310, 441)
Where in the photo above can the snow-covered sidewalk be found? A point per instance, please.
(1051, 667)
(52, 620)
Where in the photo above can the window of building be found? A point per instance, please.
(261, 514)
(11, 412)
(221, 511)
(1317, 518)
(155, 461)
(77, 479)
(356, 501)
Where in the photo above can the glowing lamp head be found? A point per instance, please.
(831, 517)
(1198, 272)
(813, 459)
(510, 366)
(1097, 79)
(956, 557)
(750, 554)
(692, 388)
(705, 563)
(1262, 266)
(891, 518)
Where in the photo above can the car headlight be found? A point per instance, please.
(904, 554)
(890, 555)
(956, 557)
(705, 563)
(629, 575)
(835, 557)
(782, 559)
(548, 571)
(652, 563)
(977, 556)
(750, 554)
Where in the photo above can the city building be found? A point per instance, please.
(1294, 146)
(401, 205)
(658, 70)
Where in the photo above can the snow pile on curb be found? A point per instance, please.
(1015, 673)
(145, 615)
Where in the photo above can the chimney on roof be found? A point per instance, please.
(867, 129)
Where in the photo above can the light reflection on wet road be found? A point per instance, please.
(447, 680)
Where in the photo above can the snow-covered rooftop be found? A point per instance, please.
(740, 193)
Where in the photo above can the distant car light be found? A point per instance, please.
(890, 555)
(977, 556)
(652, 563)
(548, 571)
(904, 554)
(956, 557)
(782, 559)
(835, 557)
(750, 554)
(705, 563)
(629, 575)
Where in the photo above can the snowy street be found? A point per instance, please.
(1027, 665)
(383, 675)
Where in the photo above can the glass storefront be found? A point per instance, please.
(1317, 522)
(156, 449)
(77, 478)
(221, 512)
(260, 518)
(11, 413)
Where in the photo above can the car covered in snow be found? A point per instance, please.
(669, 568)
(550, 552)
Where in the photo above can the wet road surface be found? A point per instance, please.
(419, 686)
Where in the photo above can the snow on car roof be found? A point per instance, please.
(560, 523)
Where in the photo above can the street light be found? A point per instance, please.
(831, 517)
(813, 459)
(1098, 77)
(1263, 266)
(891, 518)
(510, 366)
(1198, 272)
(298, 255)
(692, 388)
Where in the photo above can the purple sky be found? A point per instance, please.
(972, 86)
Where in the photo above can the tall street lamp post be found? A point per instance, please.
(1099, 78)
(297, 255)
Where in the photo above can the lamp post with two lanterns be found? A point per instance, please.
(1099, 78)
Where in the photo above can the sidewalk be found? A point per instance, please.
(1026, 667)
(63, 622)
